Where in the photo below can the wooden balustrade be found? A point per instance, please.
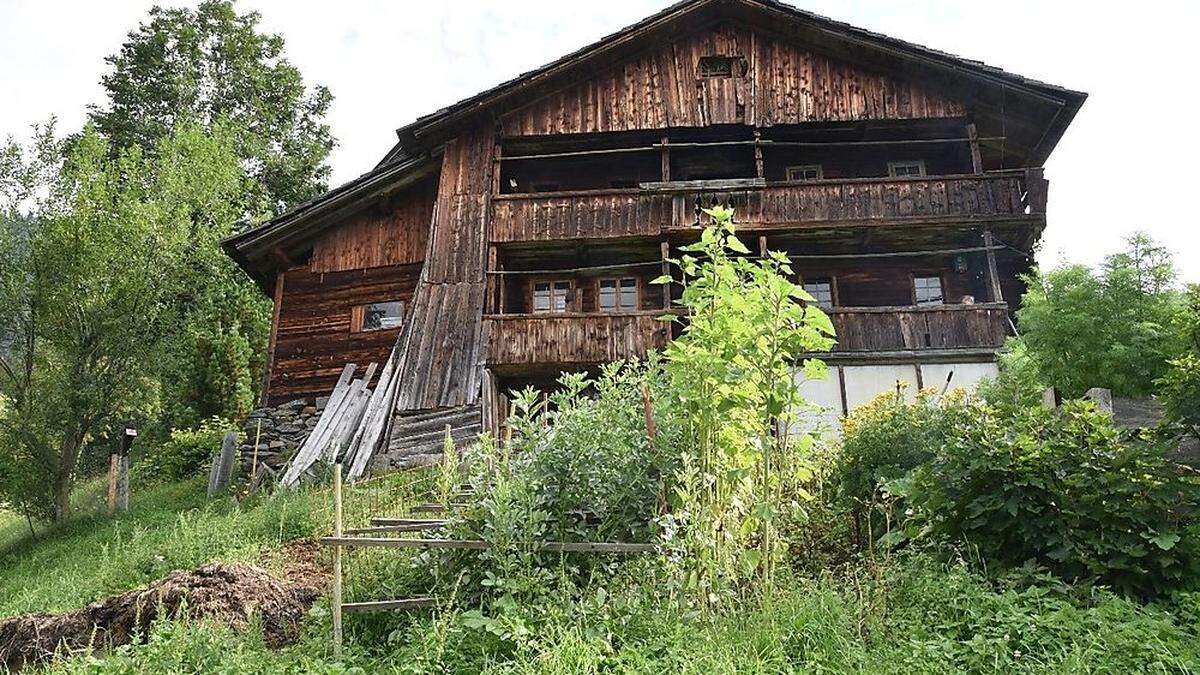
(875, 329)
(573, 338)
(526, 339)
(623, 213)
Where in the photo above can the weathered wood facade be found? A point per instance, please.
(518, 229)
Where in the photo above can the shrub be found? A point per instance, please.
(187, 451)
(1060, 489)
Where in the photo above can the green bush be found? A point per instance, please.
(1059, 488)
(188, 451)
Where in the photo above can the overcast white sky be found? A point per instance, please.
(1127, 162)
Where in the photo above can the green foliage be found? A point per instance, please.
(732, 385)
(114, 280)
(188, 451)
(1060, 489)
(889, 437)
(212, 65)
(1179, 388)
(1111, 329)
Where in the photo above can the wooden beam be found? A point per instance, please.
(993, 274)
(479, 544)
(758, 155)
(666, 160)
(265, 392)
(385, 605)
(976, 158)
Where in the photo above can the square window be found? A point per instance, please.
(902, 169)
(379, 315)
(822, 291)
(552, 296)
(805, 172)
(927, 290)
(618, 294)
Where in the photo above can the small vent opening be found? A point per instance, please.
(722, 66)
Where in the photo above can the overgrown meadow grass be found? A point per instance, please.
(900, 615)
(170, 526)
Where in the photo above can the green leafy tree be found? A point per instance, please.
(1112, 328)
(1179, 388)
(97, 246)
(211, 64)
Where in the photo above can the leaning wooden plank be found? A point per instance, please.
(371, 419)
(375, 429)
(351, 406)
(479, 544)
(383, 605)
(322, 441)
(309, 450)
(222, 471)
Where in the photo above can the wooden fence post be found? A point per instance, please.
(222, 471)
(336, 600)
(118, 474)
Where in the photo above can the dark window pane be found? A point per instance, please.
(382, 315)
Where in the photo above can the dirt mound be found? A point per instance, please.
(227, 593)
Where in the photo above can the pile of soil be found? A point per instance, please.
(229, 593)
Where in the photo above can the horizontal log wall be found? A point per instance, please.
(393, 232)
(945, 327)
(313, 339)
(625, 213)
(782, 84)
(579, 339)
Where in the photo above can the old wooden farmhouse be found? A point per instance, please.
(512, 235)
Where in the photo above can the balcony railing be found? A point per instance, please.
(520, 339)
(667, 207)
(527, 339)
(882, 329)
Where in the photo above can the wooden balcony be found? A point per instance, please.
(562, 339)
(915, 329)
(657, 209)
(529, 339)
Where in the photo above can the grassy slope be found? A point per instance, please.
(914, 616)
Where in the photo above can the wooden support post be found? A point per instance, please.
(976, 157)
(665, 249)
(254, 456)
(497, 162)
(336, 595)
(762, 246)
(651, 429)
(494, 281)
(118, 474)
(993, 274)
(758, 155)
(266, 382)
(666, 160)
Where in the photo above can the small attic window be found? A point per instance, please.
(722, 66)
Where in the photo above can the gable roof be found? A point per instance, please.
(1000, 98)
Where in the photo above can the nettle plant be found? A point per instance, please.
(733, 387)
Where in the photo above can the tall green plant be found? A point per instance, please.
(732, 383)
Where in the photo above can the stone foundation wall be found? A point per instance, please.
(284, 428)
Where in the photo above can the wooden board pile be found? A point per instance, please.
(354, 421)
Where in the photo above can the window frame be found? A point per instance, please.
(927, 275)
(358, 316)
(833, 288)
(919, 163)
(787, 172)
(735, 63)
(569, 305)
(637, 293)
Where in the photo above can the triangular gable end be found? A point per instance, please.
(771, 81)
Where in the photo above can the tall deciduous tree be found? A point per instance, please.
(210, 64)
(1111, 328)
(97, 248)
